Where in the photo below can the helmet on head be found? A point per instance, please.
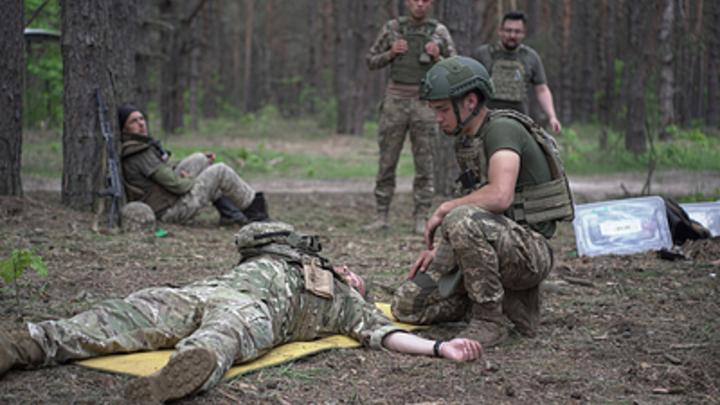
(455, 77)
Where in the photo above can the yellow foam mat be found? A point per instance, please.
(144, 363)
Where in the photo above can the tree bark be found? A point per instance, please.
(565, 63)
(12, 70)
(97, 53)
(355, 21)
(249, 13)
(635, 127)
(146, 55)
(210, 62)
(608, 70)
(712, 117)
(459, 21)
(667, 78)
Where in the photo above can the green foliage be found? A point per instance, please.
(690, 149)
(44, 78)
(12, 268)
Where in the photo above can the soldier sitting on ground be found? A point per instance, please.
(282, 291)
(176, 194)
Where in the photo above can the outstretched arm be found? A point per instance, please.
(456, 349)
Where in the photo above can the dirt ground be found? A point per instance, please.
(615, 329)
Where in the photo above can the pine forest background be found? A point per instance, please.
(644, 68)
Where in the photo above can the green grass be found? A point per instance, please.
(693, 149)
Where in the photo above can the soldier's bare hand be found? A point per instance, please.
(210, 157)
(184, 174)
(461, 350)
(433, 50)
(399, 47)
(422, 263)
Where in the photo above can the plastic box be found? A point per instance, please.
(707, 213)
(621, 226)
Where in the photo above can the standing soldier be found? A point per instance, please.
(411, 45)
(513, 66)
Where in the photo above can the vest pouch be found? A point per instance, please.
(542, 202)
(317, 280)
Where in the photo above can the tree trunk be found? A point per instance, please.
(667, 78)
(534, 13)
(145, 56)
(712, 117)
(565, 63)
(174, 69)
(210, 61)
(97, 53)
(249, 6)
(635, 127)
(12, 69)
(355, 21)
(193, 88)
(587, 90)
(459, 21)
(608, 70)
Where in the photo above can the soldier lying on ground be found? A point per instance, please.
(282, 291)
(176, 195)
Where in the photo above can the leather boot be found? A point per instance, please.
(523, 309)
(229, 213)
(19, 350)
(257, 211)
(381, 222)
(181, 376)
(487, 325)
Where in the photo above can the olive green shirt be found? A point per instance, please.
(507, 133)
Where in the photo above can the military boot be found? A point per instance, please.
(381, 223)
(229, 213)
(487, 325)
(181, 376)
(19, 350)
(257, 211)
(523, 309)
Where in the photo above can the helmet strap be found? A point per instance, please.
(461, 125)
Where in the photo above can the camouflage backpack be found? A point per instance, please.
(280, 239)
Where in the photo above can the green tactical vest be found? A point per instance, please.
(533, 203)
(410, 67)
(508, 75)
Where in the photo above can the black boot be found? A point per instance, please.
(257, 211)
(229, 213)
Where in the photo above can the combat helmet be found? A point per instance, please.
(455, 77)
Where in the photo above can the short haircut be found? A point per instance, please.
(476, 91)
(515, 15)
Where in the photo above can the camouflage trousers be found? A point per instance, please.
(493, 253)
(211, 183)
(397, 117)
(233, 315)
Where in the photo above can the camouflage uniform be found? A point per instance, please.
(179, 198)
(493, 253)
(501, 261)
(239, 316)
(211, 183)
(402, 111)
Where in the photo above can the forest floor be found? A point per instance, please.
(630, 329)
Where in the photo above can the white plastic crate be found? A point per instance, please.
(621, 226)
(707, 213)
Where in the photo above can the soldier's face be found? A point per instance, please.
(444, 114)
(419, 9)
(512, 33)
(135, 124)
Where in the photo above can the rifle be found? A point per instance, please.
(112, 181)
